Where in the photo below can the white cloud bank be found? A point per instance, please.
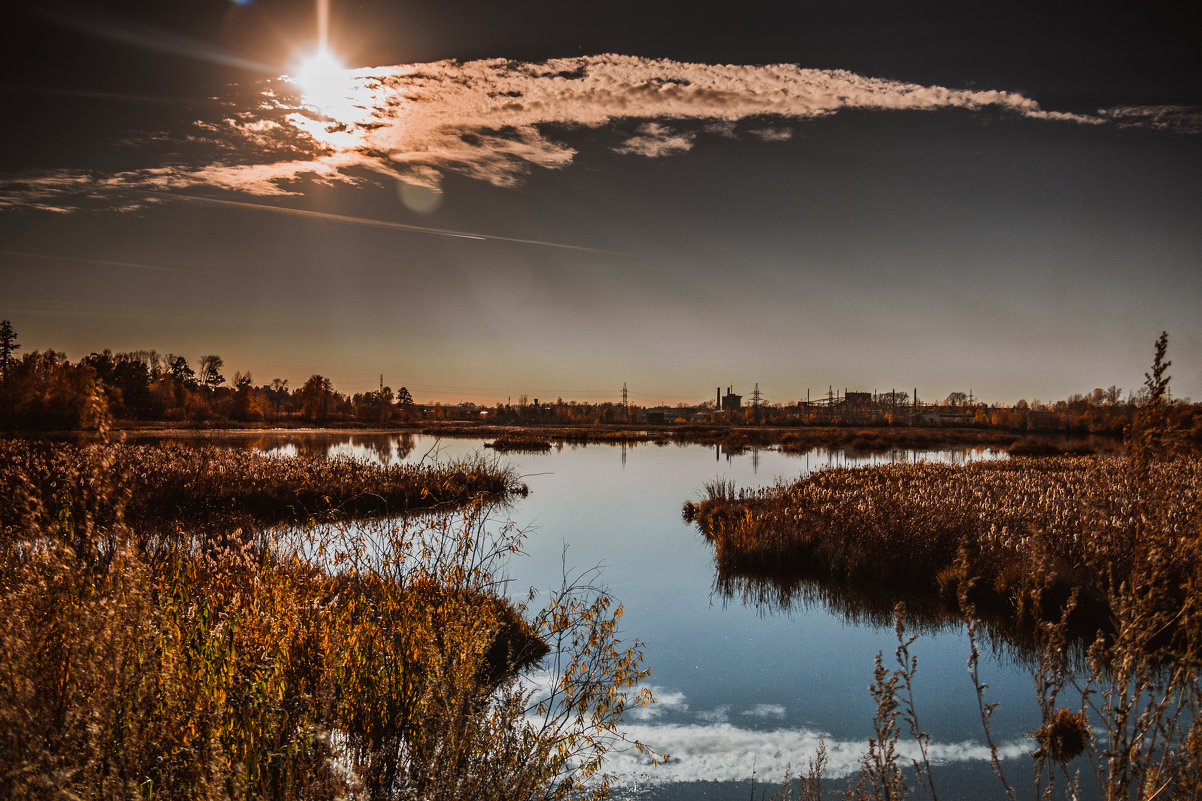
(494, 121)
(704, 745)
(724, 752)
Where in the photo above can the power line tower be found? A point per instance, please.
(626, 401)
(757, 401)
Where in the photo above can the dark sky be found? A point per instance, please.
(953, 196)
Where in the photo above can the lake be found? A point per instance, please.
(742, 690)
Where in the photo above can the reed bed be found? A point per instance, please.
(1066, 522)
(378, 659)
(882, 439)
(789, 440)
(520, 442)
(174, 483)
(1049, 538)
(574, 435)
(1089, 569)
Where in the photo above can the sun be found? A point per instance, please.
(324, 82)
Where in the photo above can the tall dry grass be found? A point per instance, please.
(1121, 535)
(377, 659)
(173, 483)
(1052, 524)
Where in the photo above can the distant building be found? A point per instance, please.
(730, 401)
(857, 398)
(943, 418)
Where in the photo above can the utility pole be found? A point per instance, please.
(757, 400)
(756, 396)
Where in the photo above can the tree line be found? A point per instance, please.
(44, 390)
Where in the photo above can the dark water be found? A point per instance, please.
(743, 689)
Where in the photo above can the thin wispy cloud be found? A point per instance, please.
(1181, 119)
(655, 140)
(766, 711)
(385, 224)
(497, 120)
(44, 257)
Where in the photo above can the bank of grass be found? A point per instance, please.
(571, 435)
(1055, 524)
(152, 647)
(1103, 551)
(520, 443)
(790, 440)
(172, 483)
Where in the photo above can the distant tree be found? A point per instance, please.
(404, 401)
(180, 372)
(245, 406)
(1114, 394)
(8, 346)
(126, 381)
(957, 399)
(384, 401)
(52, 393)
(210, 371)
(316, 398)
(153, 361)
(279, 391)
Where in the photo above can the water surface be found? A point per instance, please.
(742, 689)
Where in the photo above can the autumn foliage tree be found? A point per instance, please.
(317, 398)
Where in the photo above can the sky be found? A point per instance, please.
(485, 200)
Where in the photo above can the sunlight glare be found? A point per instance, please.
(324, 82)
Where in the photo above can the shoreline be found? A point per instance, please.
(867, 439)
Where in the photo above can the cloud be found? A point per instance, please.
(719, 714)
(665, 701)
(714, 749)
(772, 134)
(723, 752)
(1181, 119)
(766, 711)
(497, 120)
(655, 140)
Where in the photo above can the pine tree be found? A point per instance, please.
(8, 346)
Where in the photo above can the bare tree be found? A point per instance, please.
(210, 371)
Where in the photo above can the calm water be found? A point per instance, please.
(741, 690)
